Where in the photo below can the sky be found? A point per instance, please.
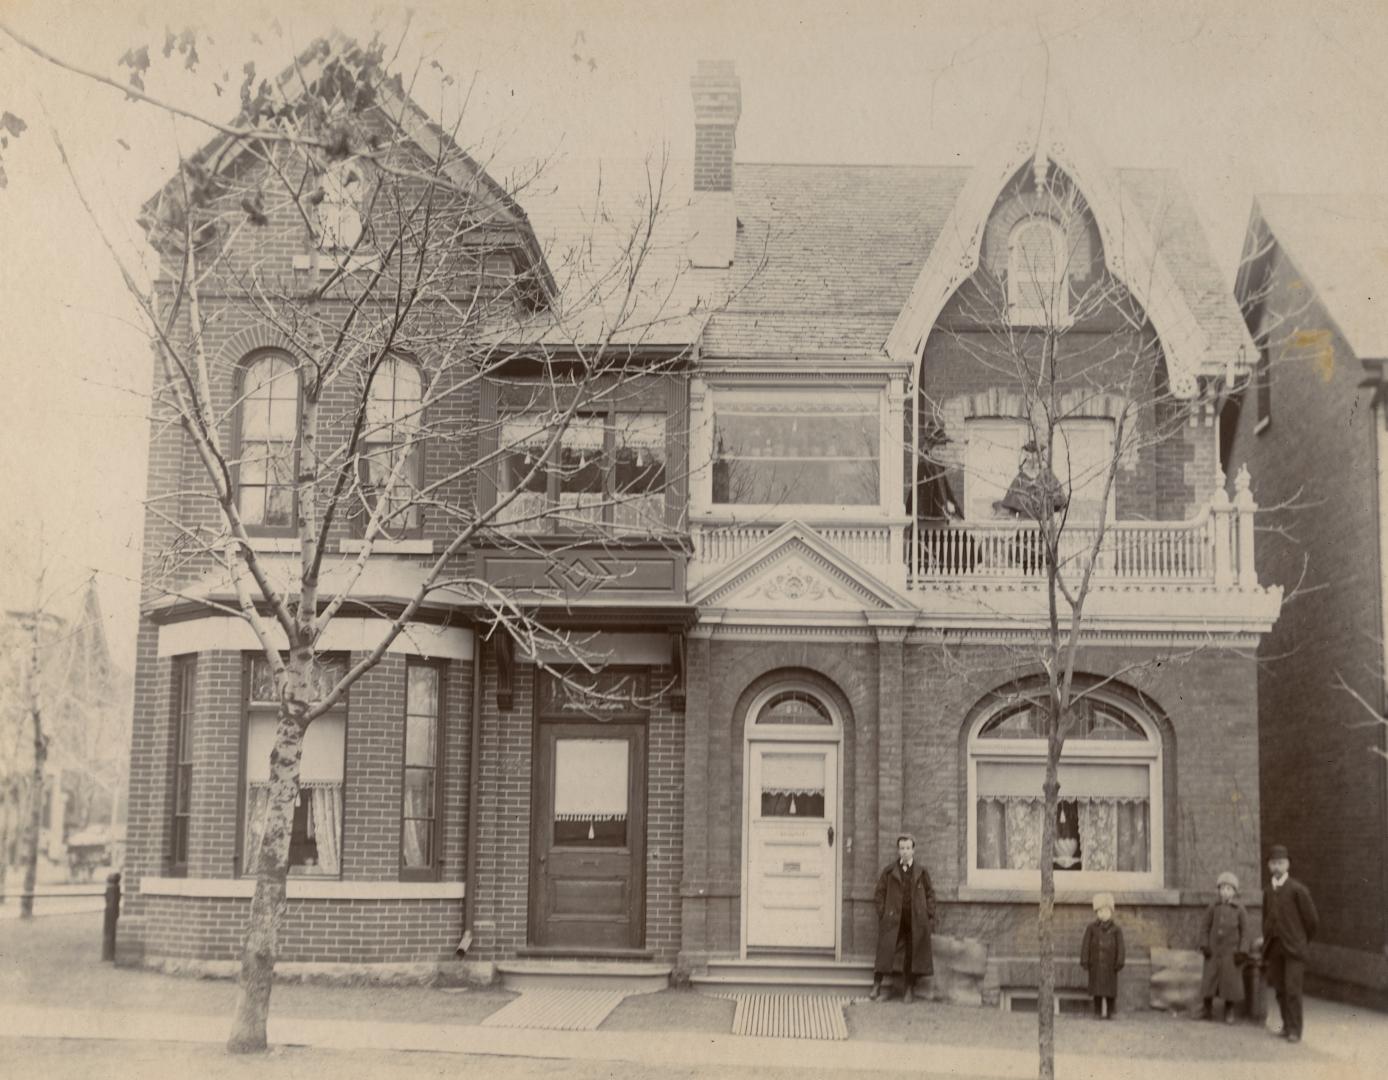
(1240, 96)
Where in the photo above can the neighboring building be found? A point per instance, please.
(1311, 425)
(837, 654)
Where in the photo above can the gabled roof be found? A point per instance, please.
(859, 260)
(1339, 244)
(223, 150)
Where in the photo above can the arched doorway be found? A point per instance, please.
(793, 813)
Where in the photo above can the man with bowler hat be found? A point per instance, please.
(1289, 924)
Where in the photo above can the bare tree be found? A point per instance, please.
(423, 291)
(1087, 391)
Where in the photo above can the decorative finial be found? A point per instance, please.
(1242, 480)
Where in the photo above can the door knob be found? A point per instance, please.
(831, 836)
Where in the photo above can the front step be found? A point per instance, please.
(813, 975)
(552, 974)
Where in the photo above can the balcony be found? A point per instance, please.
(1198, 573)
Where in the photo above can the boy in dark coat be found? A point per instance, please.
(1222, 938)
(1102, 955)
(1289, 923)
(905, 917)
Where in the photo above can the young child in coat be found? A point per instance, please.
(1101, 954)
(1222, 938)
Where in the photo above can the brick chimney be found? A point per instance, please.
(717, 106)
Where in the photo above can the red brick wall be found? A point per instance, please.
(911, 740)
(1323, 787)
(504, 818)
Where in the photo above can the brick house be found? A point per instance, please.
(1310, 425)
(836, 648)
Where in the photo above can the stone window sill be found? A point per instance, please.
(388, 547)
(1085, 897)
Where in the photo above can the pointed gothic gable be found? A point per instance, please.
(496, 207)
(1039, 136)
(795, 570)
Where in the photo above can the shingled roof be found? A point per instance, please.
(844, 244)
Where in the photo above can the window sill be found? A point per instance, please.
(275, 545)
(810, 513)
(1084, 897)
(388, 547)
(302, 888)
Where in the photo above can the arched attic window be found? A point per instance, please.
(1038, 291)
(391, 456)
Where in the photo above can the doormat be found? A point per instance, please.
(557, 1010)
(790, 1016)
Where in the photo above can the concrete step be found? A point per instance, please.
(786, 973)
(631, 977)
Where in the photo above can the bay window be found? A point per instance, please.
(315, 845)
(797, 447)
(184, 683)
(421, 790)
(605, 469)
(1108, 821)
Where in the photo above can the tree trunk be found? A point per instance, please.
(35, 822)
(261, 947)
(1045, 924)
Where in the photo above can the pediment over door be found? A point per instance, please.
(795, 571)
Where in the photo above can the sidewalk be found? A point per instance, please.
(53, 986)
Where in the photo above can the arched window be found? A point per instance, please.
(795, 776)
(1037, 290)
(1109, 821)
(269, 424)
(391, 438)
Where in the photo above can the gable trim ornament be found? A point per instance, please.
(1041, 134)
(826, 574)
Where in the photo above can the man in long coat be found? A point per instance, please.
(1289, 923)
(905, 917)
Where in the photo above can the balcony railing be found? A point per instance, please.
(1214, 549)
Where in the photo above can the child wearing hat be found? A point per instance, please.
(1101, 954)
(1222, 938)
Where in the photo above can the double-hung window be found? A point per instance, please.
(1108, 822)
(996, 454)
(269, 422)
(315, 845)
(184, 686)
(422, 789)
(391, 456)
(797, 447)
(597, 469)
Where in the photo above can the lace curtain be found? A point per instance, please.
(324, 824)
(1113, 833)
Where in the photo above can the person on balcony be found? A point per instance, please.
(905, 918)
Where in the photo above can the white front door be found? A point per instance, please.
(792, 845)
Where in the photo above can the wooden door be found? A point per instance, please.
(792, 845)
(588, 849)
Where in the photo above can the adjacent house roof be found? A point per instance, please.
(1339, 243)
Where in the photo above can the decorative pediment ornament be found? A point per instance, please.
(1129, 250)
(795, 569)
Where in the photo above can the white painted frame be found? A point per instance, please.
(1075, 751)
(793, 734)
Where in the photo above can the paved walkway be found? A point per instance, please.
(1341, 1061)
